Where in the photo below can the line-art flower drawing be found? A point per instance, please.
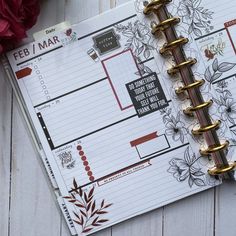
(90, 212)
(226, 103)
(139, 39)
(174, 126)
(143, 69)
(195, 16)
(187, 169)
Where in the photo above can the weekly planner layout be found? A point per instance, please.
(110, 128)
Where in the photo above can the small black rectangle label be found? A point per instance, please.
(147, 94)
(106, 42)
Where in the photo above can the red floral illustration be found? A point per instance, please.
(15, 18)
(68, 32)
(90, 212)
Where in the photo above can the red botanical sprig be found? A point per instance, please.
(89, 211)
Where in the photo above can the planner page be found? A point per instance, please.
(217, 46)
(111, 131)
(212, 27)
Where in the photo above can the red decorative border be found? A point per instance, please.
(142, 165)
(109, 79)
(227, 25)
(23, 73)
(143, 139)
(85, 162)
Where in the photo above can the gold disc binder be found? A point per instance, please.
(207, 127)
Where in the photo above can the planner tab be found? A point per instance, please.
(51, 30)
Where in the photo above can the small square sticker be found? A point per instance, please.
(106, 42)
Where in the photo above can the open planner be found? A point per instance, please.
(119, 106)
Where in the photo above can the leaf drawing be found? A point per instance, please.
(216, 70)
(187, 169)
(196, 17)
(89, 214)
(139, 39)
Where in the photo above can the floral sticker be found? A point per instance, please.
(215, 49)
(70, 37)
(90, 212)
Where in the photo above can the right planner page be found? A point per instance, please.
(211, 29)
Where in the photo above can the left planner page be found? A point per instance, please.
(111, 133)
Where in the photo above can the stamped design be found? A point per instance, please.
(106, 42)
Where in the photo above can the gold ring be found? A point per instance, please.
(154, 4)
(170, 46)
(176, 68)
(190, 110)
(222, 170)
(202, 130)
(190, 86)
(164, 24)
(214, 148)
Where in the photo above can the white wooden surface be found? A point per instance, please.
(27, 207)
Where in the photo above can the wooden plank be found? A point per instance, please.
(119, 2)
(33, 208)
(104, 5)
(76, 11)
(190, 216)
(5, 150)
(225, 206)
(149, 224)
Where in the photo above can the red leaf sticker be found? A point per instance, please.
(75, 184)
(86, 230)
(77, 222)
(102, 221)
(83, 213)
(93, 206)
(91, 192)
(101, 212)
(79, 205)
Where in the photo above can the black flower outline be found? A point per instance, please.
(187, 169)
(226, 103)
(195, 16)
(143, 69)
(174, 126)
(139, 39)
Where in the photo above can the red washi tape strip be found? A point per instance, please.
(143, 139)
(23, 73)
